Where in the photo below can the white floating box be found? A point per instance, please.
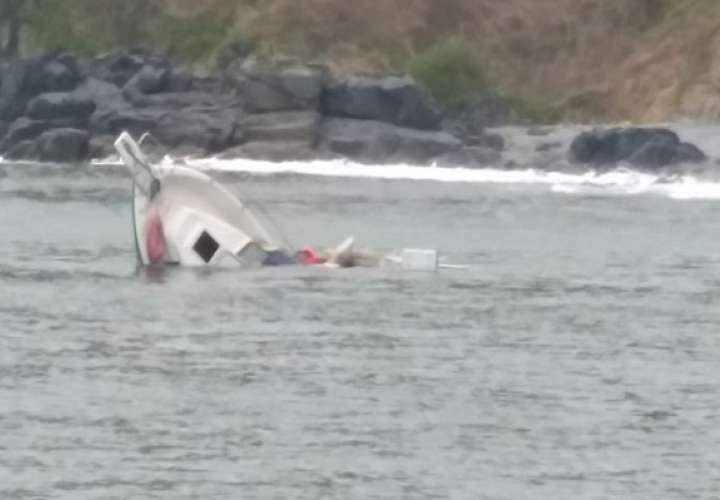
(415, 259)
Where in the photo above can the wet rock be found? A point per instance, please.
(26, 78)
(59, 105)
(275, 87)
(22, 150)
(118, 67)
(98, 91)
(146, 82)
(661, 154)
(149, 80)
(469, 157)
(119, 117)
(63, 145)
(376, 142)
(102, 147)
(26, 129)
(398, 101)
(180, 80)
(644, 147)
(283, 126)
(211, 129)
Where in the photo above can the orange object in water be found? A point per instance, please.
(154, 238)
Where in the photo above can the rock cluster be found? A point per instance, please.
(58, 107)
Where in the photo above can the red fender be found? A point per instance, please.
(154, 238)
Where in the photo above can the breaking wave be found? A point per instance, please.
(622, 181)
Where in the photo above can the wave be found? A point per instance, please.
(621, 181)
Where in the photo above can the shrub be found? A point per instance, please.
(448, 70)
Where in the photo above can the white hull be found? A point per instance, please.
(202, 223)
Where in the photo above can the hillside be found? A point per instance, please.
(579, 60)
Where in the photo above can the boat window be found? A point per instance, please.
(206, 247)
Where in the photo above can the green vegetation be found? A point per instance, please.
(449, 71)
(192, 39)
(545, 52)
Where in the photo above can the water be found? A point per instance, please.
(577, 357)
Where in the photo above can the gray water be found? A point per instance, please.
(577, 357)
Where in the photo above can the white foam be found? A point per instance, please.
(619, 182)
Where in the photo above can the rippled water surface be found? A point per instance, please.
(577, 357)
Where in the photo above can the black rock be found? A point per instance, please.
(23, 150)
(121, 116)
(24, 129)
(102, 147)
(59, 105)
(644, 147)
(180, 80)
(209, 128)
(64, 145)
(98, 91)
(119, 67)
(663, 154)
(275, 87)
(376, 142)
(399, 101)
(26, 78)
(149, 80)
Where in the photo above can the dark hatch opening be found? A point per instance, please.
(206, 247)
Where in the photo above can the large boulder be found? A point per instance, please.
(56, 105)
(63, 145)
(149, 80)
(399, 101)
(24, 129)
(209, 128)
(100, 92)
(114, 119)
(643, 147)
(27, 78)
(102, 147)
(377, 142)
(275, 87)
(23, 150)
(661, 154)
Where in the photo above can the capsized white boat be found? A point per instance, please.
(183, 216)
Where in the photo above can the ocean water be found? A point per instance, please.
(577, 355)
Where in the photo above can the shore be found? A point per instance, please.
(61, 108)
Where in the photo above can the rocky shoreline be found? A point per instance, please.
(61, 108)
